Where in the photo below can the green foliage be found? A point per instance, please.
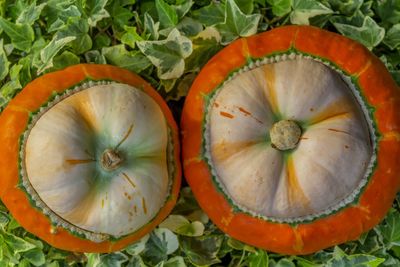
(237, 24)
(303, 10)
(369, 33)
(21, 35)
(168, 55)
(168, 42)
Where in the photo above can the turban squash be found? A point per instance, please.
(291, 139)
(90, 158)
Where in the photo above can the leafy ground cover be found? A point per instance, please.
(167, 42)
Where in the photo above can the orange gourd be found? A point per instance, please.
(291, 139)
(90, 158)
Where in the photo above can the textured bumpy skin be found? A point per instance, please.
(70, 128)
(240, 200)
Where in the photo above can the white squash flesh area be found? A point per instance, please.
(63, 159)
(329, 161)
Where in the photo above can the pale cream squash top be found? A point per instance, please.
(64, 150)
(324, 169)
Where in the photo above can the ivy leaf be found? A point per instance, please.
(60, 10)
(136, 261)
(95, 11)
(15, 8)
(138, 247)
(120, 16)
(303, 10)
(4, 63)
(180, 225)
(64, 60)
(389, 10)
(201, 250)
(16, 244)
(77, 28)
(182, 9)
(369, 34)
(50, 51)
(210, 15)
(151, 27)
(94, 56)
(25, 73)
(21, 35)
(280, 7)
(189, 26)
(237, 24)
(35, 256)
(182, 90)
(56, 25)
(166, 14)
(356, 260)
(30, 14)
(173, 262)
(102, 40)
(9, 89)
(93, 259)
(247, 6)
(390, 230)
(115, 259)
(347, 8)
(168, 238)
(258, 259)
(392, 37)
(119, 56)
(161, 243)
(4, 219)
(285, 263)
(168, 55)
(131, 36)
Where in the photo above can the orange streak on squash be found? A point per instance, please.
(299, 244)
(333, 116)
(144, 205)
(388, 115)
(207, 80)
(244, 111)
(295, 193)
(84, 108)
(224, 150)
(339, 109)
(385, 184)
(128, 179)
(377, 84)
(125, 136)
(248, 113)
(270, 89)
(392, 135)
(79, 161)
(338, 131)
(226, 114)
(13, 122)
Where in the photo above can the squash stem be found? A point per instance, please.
(111, 159)
(285, 135)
